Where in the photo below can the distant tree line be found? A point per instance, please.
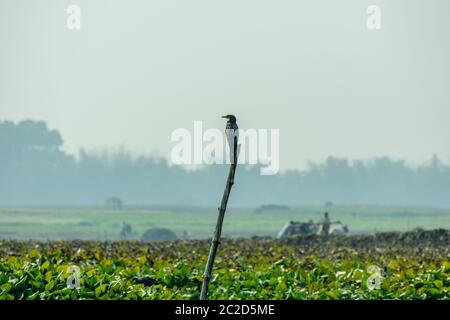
(35, 171)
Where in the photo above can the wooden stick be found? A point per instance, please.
(216, 238)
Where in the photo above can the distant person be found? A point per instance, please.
(125, 230)
(325, 225)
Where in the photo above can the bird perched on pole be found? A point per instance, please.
(232, 132)
(232, 135)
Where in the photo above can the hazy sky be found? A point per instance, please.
(137, 70)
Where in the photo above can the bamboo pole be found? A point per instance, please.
(218, 231)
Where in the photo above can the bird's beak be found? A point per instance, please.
(224, 117)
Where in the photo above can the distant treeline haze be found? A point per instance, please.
(35, 171)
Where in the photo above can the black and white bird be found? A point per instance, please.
(232, 132)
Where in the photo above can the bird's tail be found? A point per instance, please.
(234, 159)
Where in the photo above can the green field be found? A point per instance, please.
(192, 223)
(244, 269)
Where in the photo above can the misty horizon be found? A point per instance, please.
(133, 74)
(35, 170)
(122, 148)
